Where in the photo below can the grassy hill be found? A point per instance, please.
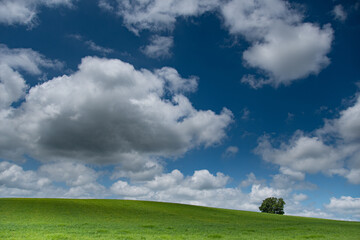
(120, 219)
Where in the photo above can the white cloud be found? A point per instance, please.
(202, 179)
(138, 168)
(299, 197)
(313, 213)
(89, 190)
(251, 180)
(109, 112)
(259, 193)
(293, 174)
(165, 181)
(156, 15)
(302, 154)
(93, 46)
(175, 83)
(73, 174)
(122, 188)
(159, 47)
(80, 181)
(254, 19)
(202, 188)
(12, 84)
(344, 205)
(332, 149)
(283, 46)
(339, 13)
(25, 11)
(353, 176)
(26, 59)
(13, 176)
(230, 151)
(289, 53)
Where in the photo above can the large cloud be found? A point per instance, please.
(109, 112)
(25, 11)
(332, 149)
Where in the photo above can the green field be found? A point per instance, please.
(120, 219)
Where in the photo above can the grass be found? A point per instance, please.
(62, 219)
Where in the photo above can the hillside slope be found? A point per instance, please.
(122, 219)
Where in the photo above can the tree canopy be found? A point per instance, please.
(273, 205)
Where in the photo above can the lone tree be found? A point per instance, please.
(273, 205)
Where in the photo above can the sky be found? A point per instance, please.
(218, 103)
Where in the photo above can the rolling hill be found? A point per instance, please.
(126, 219)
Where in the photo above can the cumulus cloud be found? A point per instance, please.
(339, 13)
(80, 181)
(332, 149)
(282, 46)
(109, 112)
(73, 174)
(201, 188)
(344, 205)
(138, 168)
(307, 154)
(291, 52)
(13, 176)
(25, 12)
(156, 15)
(159, 47)
(122, 188)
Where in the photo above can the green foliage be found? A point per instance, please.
(273, 205)
(119, 219)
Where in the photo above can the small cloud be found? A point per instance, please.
(245, 114)
(230, 151)
(290, 117)
(159, 47)
(98, 48)
(254, 82)
(339, 13)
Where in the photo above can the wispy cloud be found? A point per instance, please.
(92, 45)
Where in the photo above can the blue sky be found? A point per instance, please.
(210, 102)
